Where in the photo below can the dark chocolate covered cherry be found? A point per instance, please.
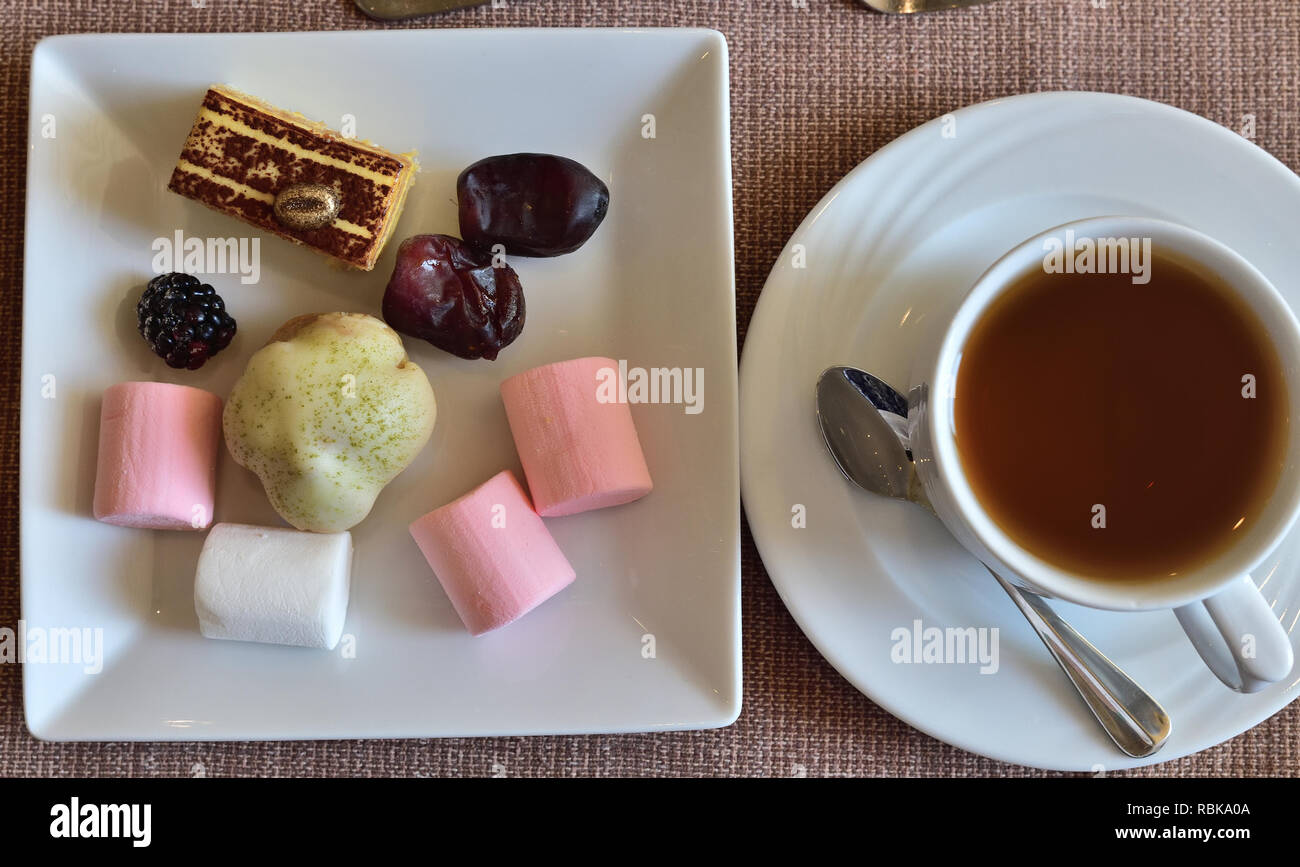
(446, 292)
(532, 204)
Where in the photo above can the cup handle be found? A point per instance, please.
(1218, 627)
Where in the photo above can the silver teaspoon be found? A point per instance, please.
(863, 421)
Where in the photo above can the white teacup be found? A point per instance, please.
(1232, 626)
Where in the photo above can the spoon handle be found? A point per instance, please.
(1134, 720)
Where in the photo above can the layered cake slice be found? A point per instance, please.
(281, 172)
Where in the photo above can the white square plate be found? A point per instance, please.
(647, 638)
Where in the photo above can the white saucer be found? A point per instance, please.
(897, 241)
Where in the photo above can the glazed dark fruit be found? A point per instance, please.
(446, 292)
(532, 204)
(184, 320)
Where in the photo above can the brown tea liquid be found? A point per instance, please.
(1076, 391)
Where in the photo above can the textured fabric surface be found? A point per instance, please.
(817, 85)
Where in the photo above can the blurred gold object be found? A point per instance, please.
(391, 10)
(901, 7)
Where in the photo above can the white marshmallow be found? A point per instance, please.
(273, 585)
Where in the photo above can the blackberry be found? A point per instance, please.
(183, 320)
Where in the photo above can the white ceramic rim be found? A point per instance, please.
(1283, 507)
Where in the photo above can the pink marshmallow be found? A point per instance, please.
(157, 456)
(492, 554)
(579, 452)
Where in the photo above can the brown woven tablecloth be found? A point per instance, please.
(816, 87)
